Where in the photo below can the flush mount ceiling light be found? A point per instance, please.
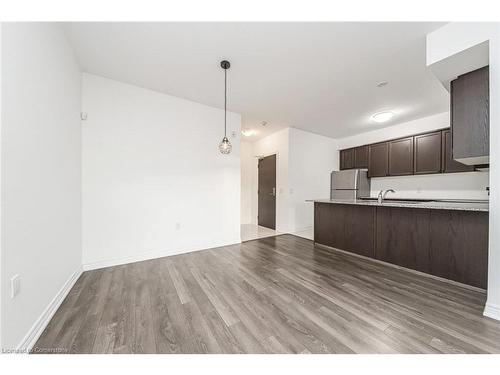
(383, 116)
(247, 132)
(225, 146)
(382, 84)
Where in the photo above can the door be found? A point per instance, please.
(378, 160)
(428, 153)
(267, 192)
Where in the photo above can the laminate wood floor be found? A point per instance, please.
(273, 295)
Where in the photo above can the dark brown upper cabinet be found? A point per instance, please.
(450, 165)
(419, 154)
(347, 159)
(470, 122)
(428, 153)
(361, 157)
(378, 160)
(401, 157)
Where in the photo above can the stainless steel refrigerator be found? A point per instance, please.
(350, 184)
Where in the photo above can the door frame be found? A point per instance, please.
(278, 187)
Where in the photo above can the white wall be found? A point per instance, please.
(469, 185)
(154, 181)
(455, 37)
(443, 43)
(247, 175)
(312, 158)
(1, 247)
(41, 174)
(421, 125)
(493, 303)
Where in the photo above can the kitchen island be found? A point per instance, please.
(448, 239)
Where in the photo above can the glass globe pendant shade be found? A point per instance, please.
(225, 146)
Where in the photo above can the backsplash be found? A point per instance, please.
(468, 185)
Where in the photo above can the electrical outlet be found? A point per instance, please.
(177, 226)
(15, 285)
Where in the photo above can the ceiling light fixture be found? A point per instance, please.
(383, 116)
(382, 84)
(225, 146)
(247, 132)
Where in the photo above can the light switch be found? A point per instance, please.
(15, 286)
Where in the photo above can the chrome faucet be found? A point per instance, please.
(382, 194)
(380, 198)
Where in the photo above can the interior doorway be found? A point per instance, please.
(266, 192)
(250, 228)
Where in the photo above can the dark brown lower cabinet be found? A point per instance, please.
(329, 224)
(459, 246)
(345, 227)
(448, 243)
(402, 237)
(358, 230)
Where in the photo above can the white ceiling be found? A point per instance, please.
(319, 77)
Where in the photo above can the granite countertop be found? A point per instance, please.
(435, 204)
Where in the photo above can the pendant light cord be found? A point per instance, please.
(225, 100)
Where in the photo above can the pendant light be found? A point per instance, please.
(225, 146)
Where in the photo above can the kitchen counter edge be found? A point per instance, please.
(434, 205)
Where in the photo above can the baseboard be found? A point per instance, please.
(492, 311)
(36, 330)
(147, 255)
(303, 229)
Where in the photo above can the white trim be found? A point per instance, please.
(492, 311)
(154, 254)
(303, 229)
(43, 320)
(474, 160)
